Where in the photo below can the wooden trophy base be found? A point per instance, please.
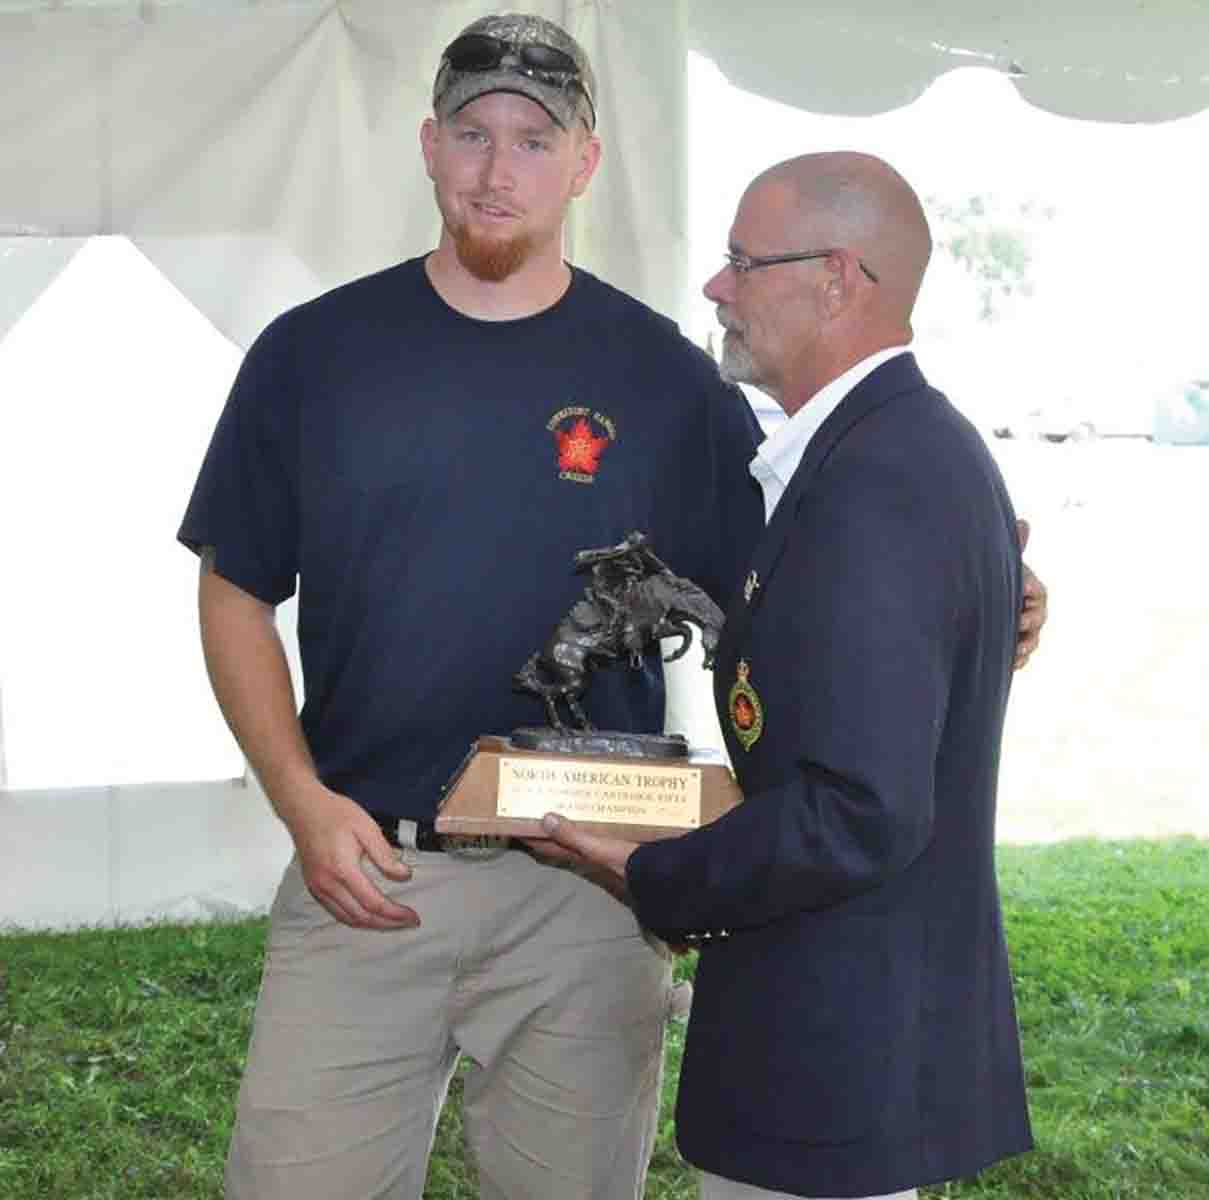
(504, 790)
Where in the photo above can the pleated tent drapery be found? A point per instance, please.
(260, 152)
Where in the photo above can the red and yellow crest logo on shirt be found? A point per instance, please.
(580, 438)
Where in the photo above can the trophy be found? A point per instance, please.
(635, 786)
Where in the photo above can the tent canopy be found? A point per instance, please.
(1102, 60)
(260, 152)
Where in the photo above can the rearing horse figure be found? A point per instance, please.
(633, 600)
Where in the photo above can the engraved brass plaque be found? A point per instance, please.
(503, 789)
(629, 792)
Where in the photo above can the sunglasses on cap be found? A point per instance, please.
(477, 52)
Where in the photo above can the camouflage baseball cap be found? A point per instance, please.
(521, 53)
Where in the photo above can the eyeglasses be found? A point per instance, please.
(476, 52)
(753, 262)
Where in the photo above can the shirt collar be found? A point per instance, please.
(780, 453)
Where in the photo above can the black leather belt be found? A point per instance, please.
(430, 841)
(426, 834)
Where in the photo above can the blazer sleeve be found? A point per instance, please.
(855, 637)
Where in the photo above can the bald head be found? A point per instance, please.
(861, 203)
(836, 247)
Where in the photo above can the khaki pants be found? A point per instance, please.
(713, 1187)
(545, 982)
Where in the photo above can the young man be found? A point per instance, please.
(425, 450)
(853, 1031)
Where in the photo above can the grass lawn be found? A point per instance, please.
(120, 1051)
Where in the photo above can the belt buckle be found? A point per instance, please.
(479, 846)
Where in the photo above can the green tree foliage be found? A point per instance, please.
(993, 242)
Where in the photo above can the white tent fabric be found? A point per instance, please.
(260, 152)
(27, 267)
(1102, 60)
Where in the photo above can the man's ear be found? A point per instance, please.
(429, 133)
(589, 160)
(840, 285)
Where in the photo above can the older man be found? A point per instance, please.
(853, 1032)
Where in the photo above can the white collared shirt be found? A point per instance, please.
(780, 453)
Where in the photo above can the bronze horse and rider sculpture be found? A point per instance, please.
(632, 601)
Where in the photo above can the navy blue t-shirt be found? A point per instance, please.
(427, 479)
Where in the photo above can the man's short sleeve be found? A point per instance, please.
(245, 501)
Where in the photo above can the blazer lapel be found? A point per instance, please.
(900, 374)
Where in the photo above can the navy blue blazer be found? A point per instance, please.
(853, 1030)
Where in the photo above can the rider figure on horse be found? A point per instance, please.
(614, 572)
(632, 600)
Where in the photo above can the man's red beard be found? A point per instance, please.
(490, 259)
